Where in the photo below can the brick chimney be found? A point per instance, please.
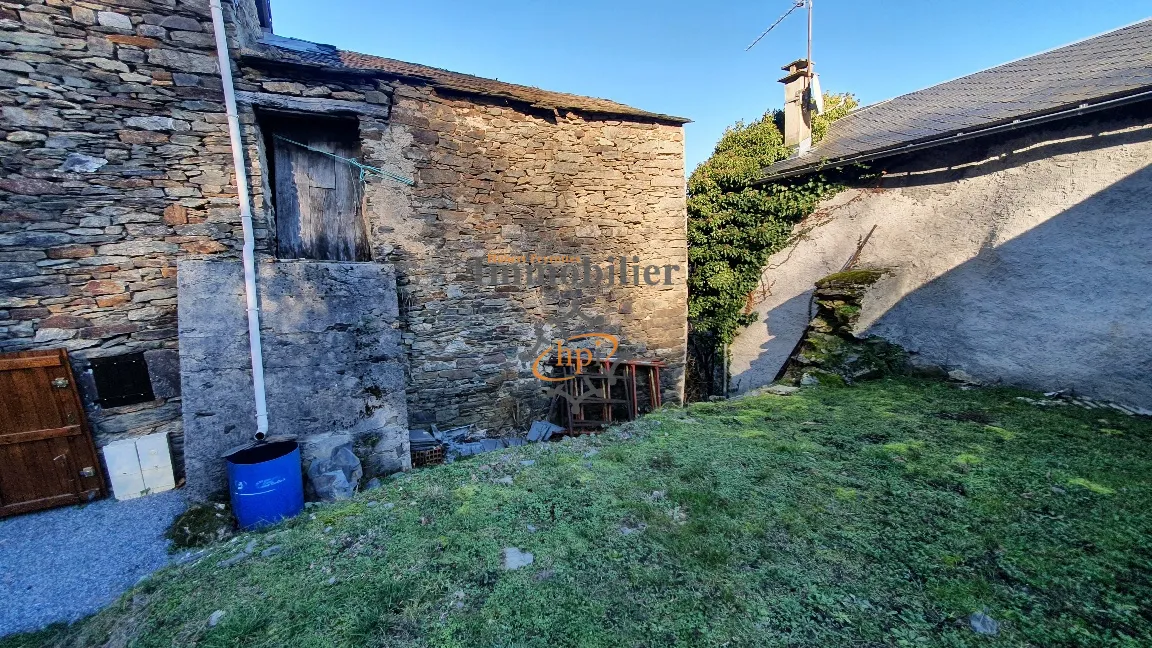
(797, 111)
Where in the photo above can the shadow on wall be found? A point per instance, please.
(778, 328)
(1023, 259)
(1064, 305)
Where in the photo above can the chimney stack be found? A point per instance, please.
(797, 111)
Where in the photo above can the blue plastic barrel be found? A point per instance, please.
(266, 483)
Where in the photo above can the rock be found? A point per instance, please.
(962, 376)
(542, 431)
(24, 137)
(808, 380)
(228, 562)
(515, 559)
(153, 123)
(271, 551)
(372, 484)
(781, 390)
(629, 530)
(506, 480)
(181, 23)
(183, 61)
(215, 618)
(30, 186)
(79, 163)
(113, 19)
(531, 528)
(251, 547)
(528, 462)
(983, 624)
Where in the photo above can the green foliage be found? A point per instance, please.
(882, 515)
(734, 225)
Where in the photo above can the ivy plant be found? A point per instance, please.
(734, 224)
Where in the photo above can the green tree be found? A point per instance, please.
(734, 225)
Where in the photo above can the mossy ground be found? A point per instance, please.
(883, 514)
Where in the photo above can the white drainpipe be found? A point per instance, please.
(245, 220)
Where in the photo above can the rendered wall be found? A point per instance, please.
(333, 363)
(1026, 260)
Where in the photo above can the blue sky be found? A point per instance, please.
(687, 58)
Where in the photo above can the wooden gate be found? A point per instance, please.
(46, 454)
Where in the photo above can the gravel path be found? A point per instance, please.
(66, 563)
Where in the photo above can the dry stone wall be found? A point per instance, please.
(500, 179)
(115, 162)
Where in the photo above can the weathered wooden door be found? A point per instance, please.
(46, 454)
(318, 212)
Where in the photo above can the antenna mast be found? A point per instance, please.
(809, 36)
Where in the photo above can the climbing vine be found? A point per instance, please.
(734, 225)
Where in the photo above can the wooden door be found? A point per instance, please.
(46, 454)
(318, 198)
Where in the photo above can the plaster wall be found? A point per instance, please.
(333, 362)
(1026, 260)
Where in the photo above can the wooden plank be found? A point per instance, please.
(288, 241)
(29, 402)
(42, 503)
(318, 198)
(312, 104)
(40, 435)
(12, 364)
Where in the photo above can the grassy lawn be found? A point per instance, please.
(883, 514)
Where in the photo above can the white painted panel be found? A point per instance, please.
(124, 469)
(158, 480)
(154, 453)
(122, 457)
(156, 462)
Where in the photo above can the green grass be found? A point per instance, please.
(880, 515)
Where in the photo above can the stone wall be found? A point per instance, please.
(1024, 259)
(494, 177)
(333, 362)
(115, 162)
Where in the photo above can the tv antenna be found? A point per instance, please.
(798, 4)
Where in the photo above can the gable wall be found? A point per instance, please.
(1023, 258)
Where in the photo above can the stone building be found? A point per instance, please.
(117, 171)
(1011, 218)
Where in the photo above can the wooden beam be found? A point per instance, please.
(311, 104)
(9, 364)
(40, 435)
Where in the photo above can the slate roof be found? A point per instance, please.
(1108, 66)
(290, 50)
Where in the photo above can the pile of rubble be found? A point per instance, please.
(467, 440)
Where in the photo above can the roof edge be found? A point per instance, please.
(270, 52)
(1144, 93)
